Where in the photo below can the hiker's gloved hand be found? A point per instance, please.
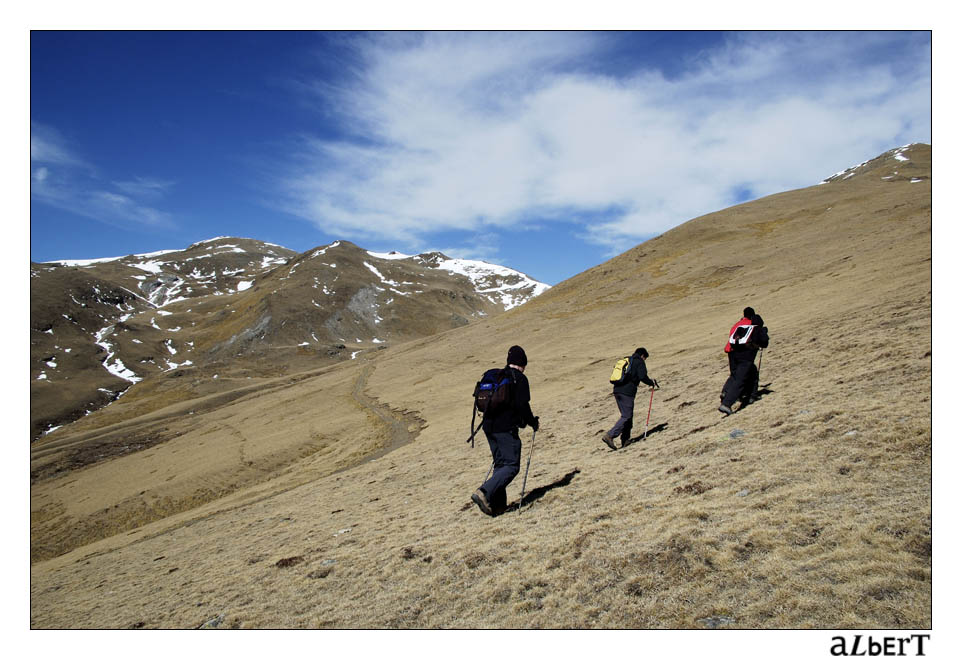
(655, 386)
(534, 424)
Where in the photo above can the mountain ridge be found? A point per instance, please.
(124, 319)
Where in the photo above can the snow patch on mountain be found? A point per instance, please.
(111, 363)
(271, 262)
(390, 255)
(380, 276)
(323, 250)
(510, 294)
(511, 287)
(80, 263)
(211, 240)
(898, 154)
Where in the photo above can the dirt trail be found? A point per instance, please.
(142, 432)
(403, 426)
(256, 478)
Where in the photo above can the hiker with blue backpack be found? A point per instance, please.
(628, 373)
(503, 395)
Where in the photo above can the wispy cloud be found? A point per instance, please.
(63, 179)
(48, 146)
(459, 131)
(482, 247)
(144, 188)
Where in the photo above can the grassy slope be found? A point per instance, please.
(817, 515)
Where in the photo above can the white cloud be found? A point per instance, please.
(48, 146)
(65, 180)
(452, 131)
(144, 187)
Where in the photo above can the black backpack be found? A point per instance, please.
(491, 394)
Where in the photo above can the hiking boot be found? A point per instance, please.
(607, 439)
(725, 409)
(482, 502)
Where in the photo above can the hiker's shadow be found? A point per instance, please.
(644, 436)
(539, 492)
(763, 390)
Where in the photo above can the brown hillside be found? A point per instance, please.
(91, 322)
(338, 498)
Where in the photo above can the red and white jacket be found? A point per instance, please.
(741, 340)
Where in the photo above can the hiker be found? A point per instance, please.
(501, 428)
(744, 339)
(624, 392)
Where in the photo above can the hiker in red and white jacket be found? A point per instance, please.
(744, 339)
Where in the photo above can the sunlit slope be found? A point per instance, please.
(810, 508)
(806, 260)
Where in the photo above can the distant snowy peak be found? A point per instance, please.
(150, 261)
(233, 244)
(508, 287)
(894, 165)
(504, 286)
(216, 266)
(225, 265)
(227, 298)
(83, 263)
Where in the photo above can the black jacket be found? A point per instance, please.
(637, 373)
(516, 415)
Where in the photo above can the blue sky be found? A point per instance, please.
(548, 152)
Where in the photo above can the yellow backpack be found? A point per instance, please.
(620, 371)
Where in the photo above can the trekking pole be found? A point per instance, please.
(649, 413)
(758, 381)
(525, 482)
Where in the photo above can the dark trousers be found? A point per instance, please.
(506, 452)
(742, 378)
(626, 406)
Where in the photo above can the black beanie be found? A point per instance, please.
(642, 352)
(748, 313)
(516, 356)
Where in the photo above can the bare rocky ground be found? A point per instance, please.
(271, 506)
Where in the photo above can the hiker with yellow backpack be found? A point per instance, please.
(628, 373)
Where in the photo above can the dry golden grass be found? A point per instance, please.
(809, 509)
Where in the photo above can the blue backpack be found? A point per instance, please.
(491, 394)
